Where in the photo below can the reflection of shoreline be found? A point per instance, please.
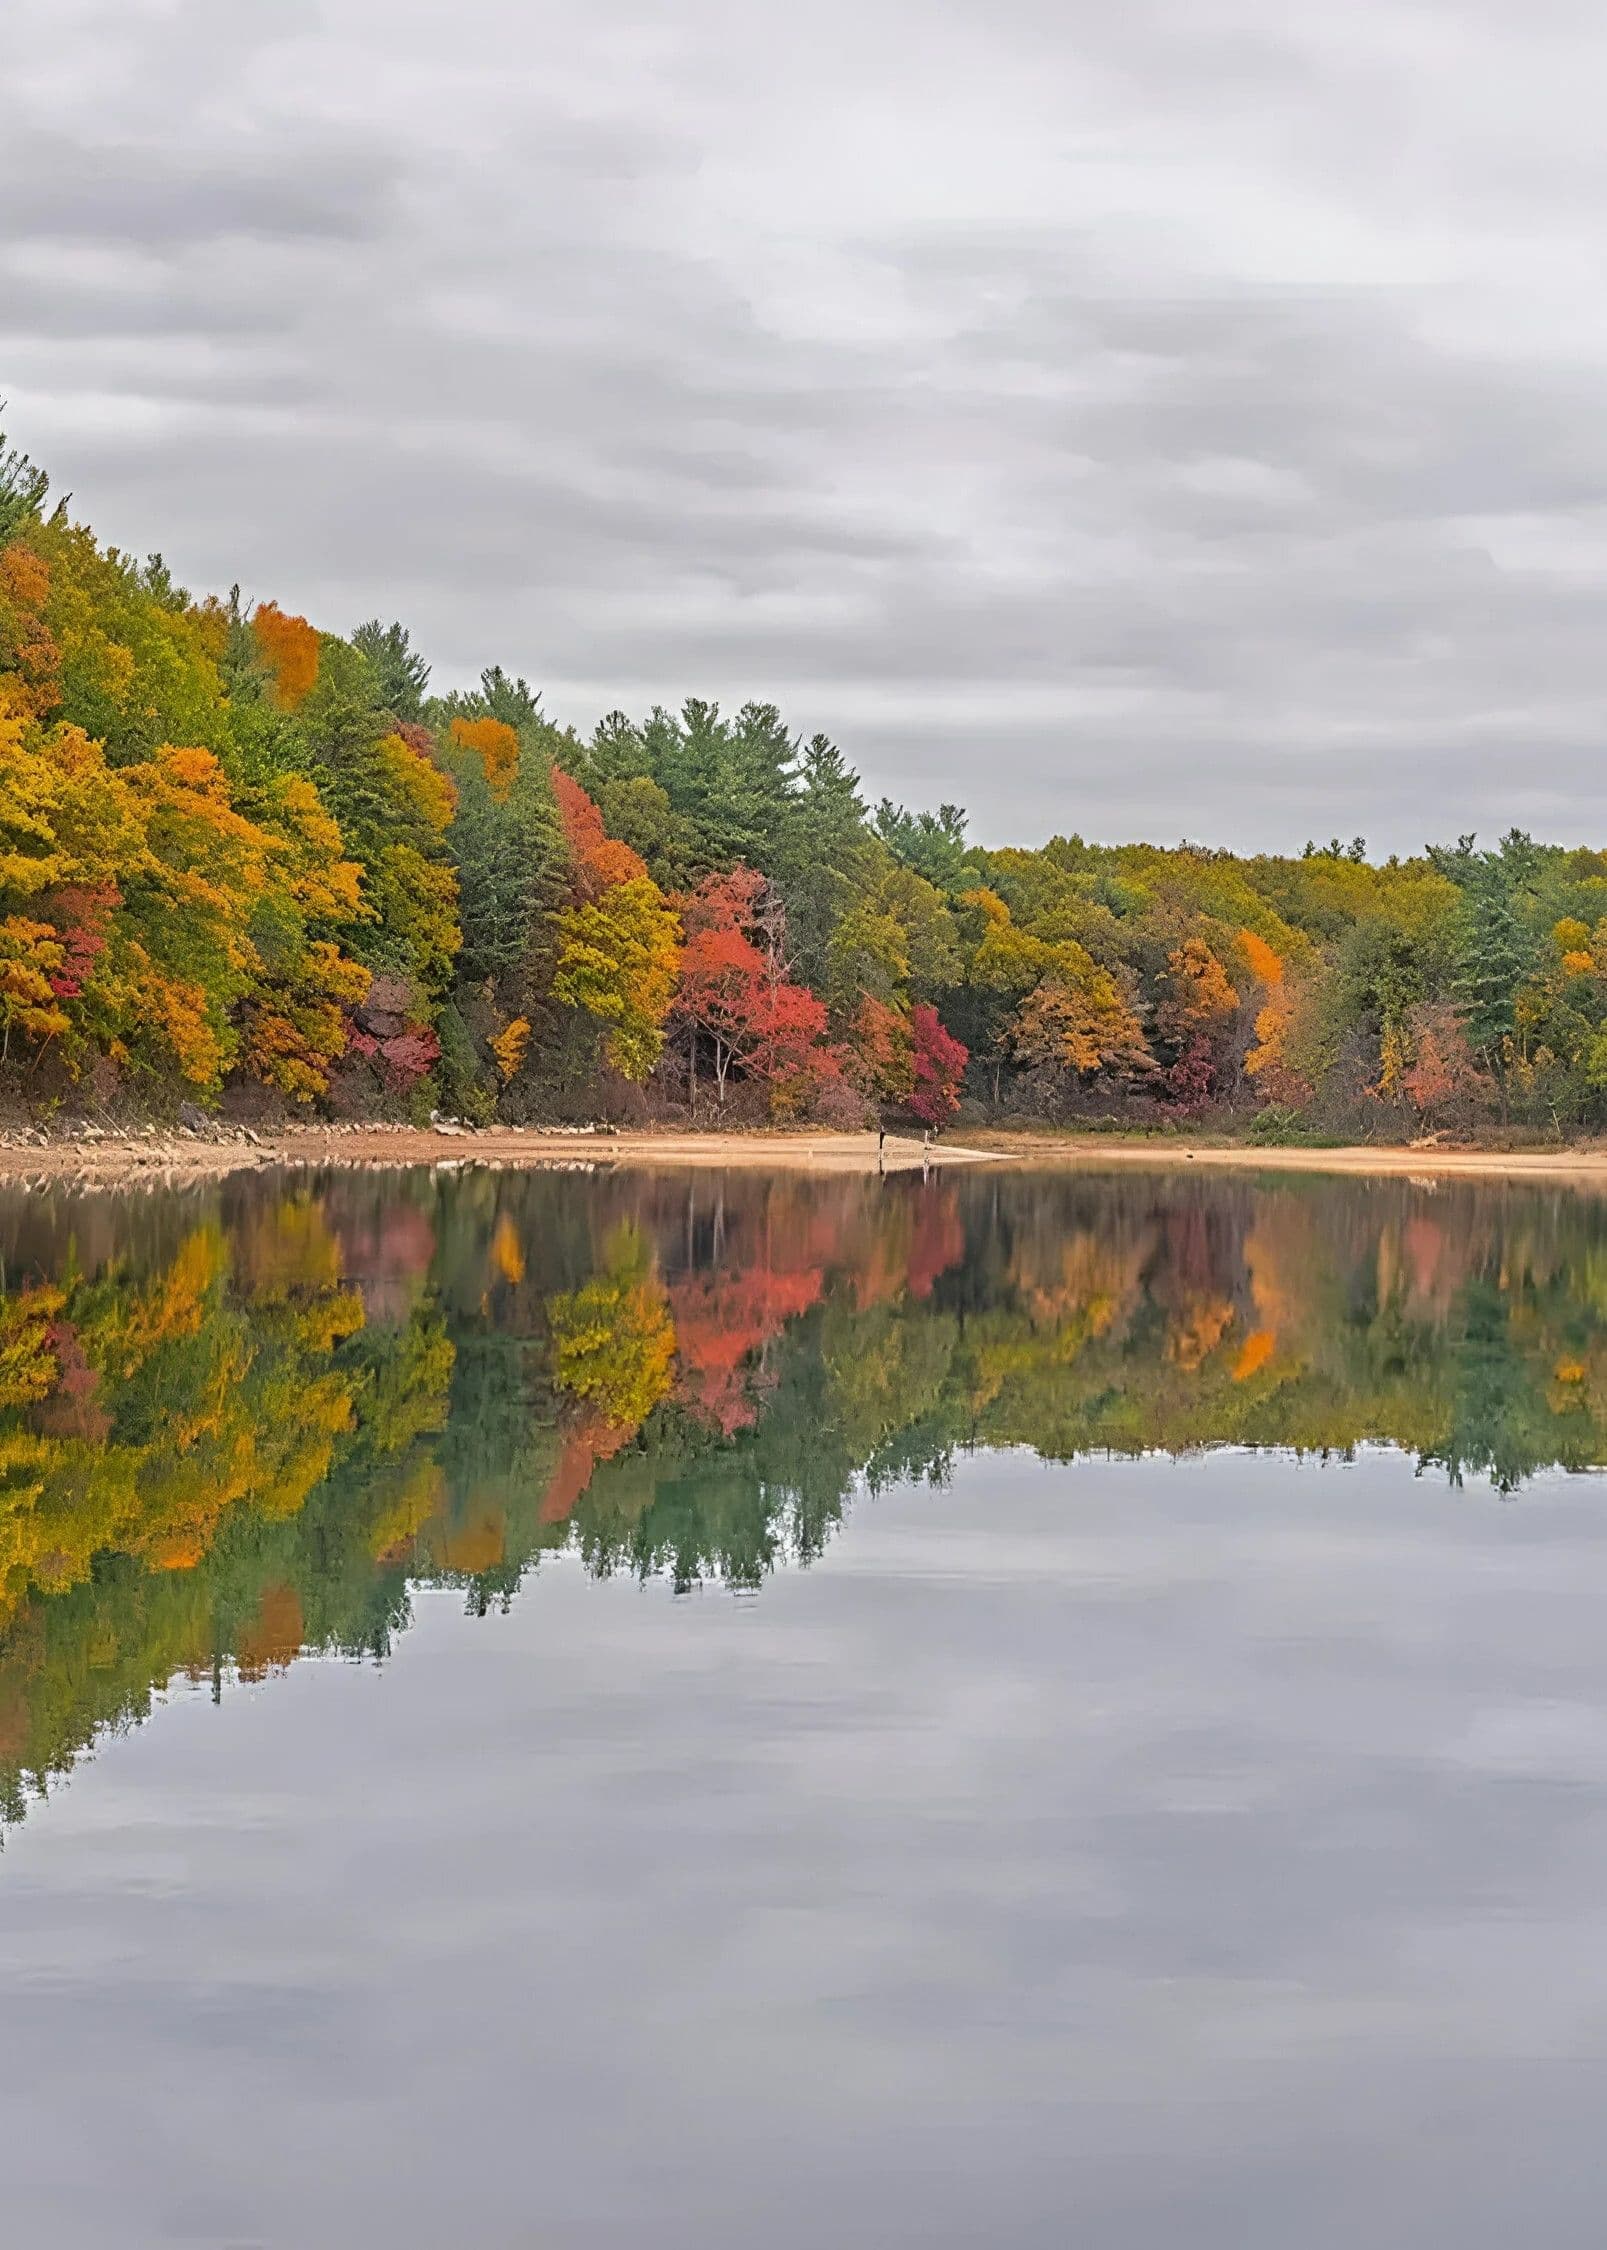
(113, 1161)
(242, 1422)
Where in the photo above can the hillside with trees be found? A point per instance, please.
(261, 866)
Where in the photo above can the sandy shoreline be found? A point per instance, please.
(1585, 1166)
(111, 1160)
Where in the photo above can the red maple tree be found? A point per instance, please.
(736, 1003)
(940, 1061)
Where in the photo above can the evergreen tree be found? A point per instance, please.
(22, 490)
(510, 861)
(826, 854)
(400, 673)
(1493, 961)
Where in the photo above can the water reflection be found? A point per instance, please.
(245, 1423)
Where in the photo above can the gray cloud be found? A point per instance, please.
(1181, 418)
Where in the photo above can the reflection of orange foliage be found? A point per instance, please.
(15, 1724)
(1274, 1260)
(913, 1239)
(1092, 1279)
(273, 1640)
(878, 1274)
(1258, 1349)
(584, 1446)
(176, 1550)
(1197, 1332)
(507, 1253)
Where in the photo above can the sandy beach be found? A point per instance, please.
(106, 1159)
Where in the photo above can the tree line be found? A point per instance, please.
(263, 865)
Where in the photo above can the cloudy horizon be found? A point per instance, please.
(1179, 420)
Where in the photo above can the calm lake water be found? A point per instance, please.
(753, 1712)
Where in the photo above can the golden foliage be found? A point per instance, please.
(508, 1047)
(496, 745)
(289, 647)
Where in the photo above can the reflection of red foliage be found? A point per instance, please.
(1425, 1247)
(387, 1255)
(585, 1444)
(71, 1410)
(721, 1320)
(939, 1241)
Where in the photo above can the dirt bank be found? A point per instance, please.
(105, 1159)
(1585, 1165)
(108, 1159)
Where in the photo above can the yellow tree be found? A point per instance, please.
(1267, 1062)
(294, 1016)
(179, 954)
(1197, 996)
(1078, 1020)
(619, 956)
(66, 829)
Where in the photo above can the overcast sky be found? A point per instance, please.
(1186, 417)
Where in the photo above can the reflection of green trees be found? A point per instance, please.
(240, 1427)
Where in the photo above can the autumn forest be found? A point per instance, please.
(260, 865)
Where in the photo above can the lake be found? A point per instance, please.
(612, 1709)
